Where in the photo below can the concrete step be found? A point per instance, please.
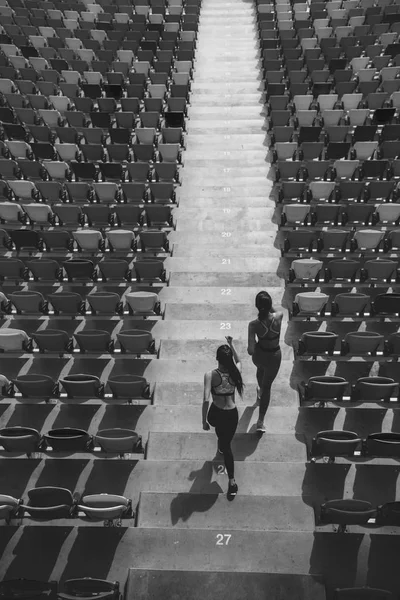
(198, 446)
(215, 224)
(239, 265)
(234, 112)
(178, 349)
(143, 585)
(212, 297)
(224, 280)
(231, 152)
(198, 511)
(204, 312)
(207, 198)
(227, 215)
(61, 550)
(203, 88)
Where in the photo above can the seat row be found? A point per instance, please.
(336, 242)
(364, 344)
(45, 503)
(75, 215)
(63, 198)
(71, 589)
(68, 439)
(344, 272)
(351, 215)
(31, 302)
(330, 444)
(344, 512)
(135, 151)
(87, 240)
(339, 190)
(130, 388)
(91, 341)
(82, 270)
(307, 305)
(330, 388)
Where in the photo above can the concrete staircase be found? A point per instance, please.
(190, 541)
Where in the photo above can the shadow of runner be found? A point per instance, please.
(200, 498)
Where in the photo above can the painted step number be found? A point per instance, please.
(223, 539)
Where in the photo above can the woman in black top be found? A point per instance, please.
(221, 383)
(263, 347)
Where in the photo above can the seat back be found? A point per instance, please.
(326, 387)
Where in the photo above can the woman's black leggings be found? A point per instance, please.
(225, 423)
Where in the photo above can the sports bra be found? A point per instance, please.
(269, 335)
(225, 388)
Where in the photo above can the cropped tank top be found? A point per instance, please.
(270, 337)
(225, 387)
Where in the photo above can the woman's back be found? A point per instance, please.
(222, 389)
(268, 331)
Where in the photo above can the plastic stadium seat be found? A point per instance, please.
(68, 439)
(17, 588)
(67, 302)
(308, 304)
(82, 386)
(68, 214)
(387, 213)
(357, 213)
(118, 441)
(13, 340)
(305, 269)
(334, 443)
(129, 387)
(143, 303)
(361, 342)
(92, 340)
(346, 512)
(149, 270)
(153, 241)
(299, 241)
(136, 341)
(342, 269)
(105, 303)
(44, 268)
(11, 212)
(28, 302)
(379, 270)
(12, 268)
(9, 508)
(20, 439)
(39, 214)
(89, 240)
(106, 507)
(386, 305)
(53, 340)
(392, 241)
(313, 343)
(350, 304)
(87, 587)
(325, 388)
(121, 240)
(25, 239)
(128, 214)
(79, 268)
(367, 239)
(49, 503)
(382, 445)
(35, 386)
(112, 269)
(325, 214)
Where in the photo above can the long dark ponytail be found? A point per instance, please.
(264, 305)
(225, 357)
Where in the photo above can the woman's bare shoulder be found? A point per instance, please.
(278, 315)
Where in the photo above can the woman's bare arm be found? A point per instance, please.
(251, 340)
(206, 398)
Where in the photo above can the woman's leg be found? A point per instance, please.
(270, 373)
(225, 430)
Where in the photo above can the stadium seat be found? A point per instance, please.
(118, 441)
(40, 387)
(82, 386)
(20, 439)
(49, 503)
(95, 341)
(95, 589)
(346, 512)
(334, 443)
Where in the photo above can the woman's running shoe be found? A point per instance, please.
(260, 427)
(233, 489)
